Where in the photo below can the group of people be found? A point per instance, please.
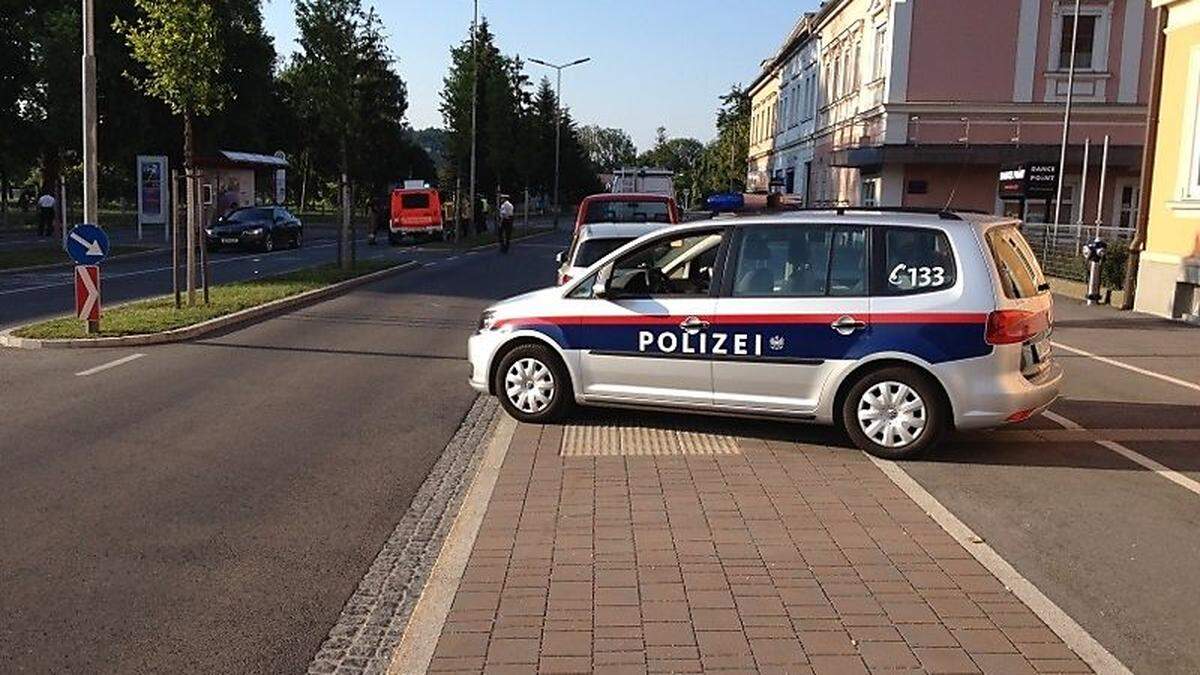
(504, 220)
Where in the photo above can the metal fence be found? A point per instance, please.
(1059, 249)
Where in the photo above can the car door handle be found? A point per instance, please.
(694, 324)
(846, 325)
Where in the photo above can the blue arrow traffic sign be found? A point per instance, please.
(87, 244)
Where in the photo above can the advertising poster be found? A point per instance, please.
(154, 199)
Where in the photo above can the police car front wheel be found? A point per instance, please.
(532, 384)
(893, 413)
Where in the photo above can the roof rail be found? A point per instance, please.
(944, 214)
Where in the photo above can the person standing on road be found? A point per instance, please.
(46, 204)
(506, 223)
(381, 212)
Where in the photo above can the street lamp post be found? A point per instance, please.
(1062, 159)
(558, 121)
(90, 190)
(474, 113)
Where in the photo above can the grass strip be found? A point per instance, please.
(159, 314)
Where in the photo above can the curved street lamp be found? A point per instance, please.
(558, 121)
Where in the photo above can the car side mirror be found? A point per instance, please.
(560, 256)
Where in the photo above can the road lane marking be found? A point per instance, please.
(1119, 364)
(110, 364)
(1130, 454)
(1075, 636)
(425, 624)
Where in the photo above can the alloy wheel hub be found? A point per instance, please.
(892, 414)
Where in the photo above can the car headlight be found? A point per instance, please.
(487, 320)
(254, 232)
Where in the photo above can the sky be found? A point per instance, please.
(654, 62)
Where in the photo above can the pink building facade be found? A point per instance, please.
(925, 102)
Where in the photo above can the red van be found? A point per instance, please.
(415, 213)
(627, 207)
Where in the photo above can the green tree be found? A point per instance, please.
(681, 156)
(723, 165)
(16, 88)
(501, 154)
(346, 91)
(607, 148)
(176, 42)
(325, 84)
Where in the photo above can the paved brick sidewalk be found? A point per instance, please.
(779, 557)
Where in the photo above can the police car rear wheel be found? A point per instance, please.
(893, 413)
(531, 384)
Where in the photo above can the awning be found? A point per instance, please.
(255, 159)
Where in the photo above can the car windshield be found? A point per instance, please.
(415, 200)
(592, 250)
(608, 211)
(248, 216)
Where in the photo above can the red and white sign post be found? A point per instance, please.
(87, 296)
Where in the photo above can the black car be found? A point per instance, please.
(265, 228)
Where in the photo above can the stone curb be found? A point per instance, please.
(68, 265)
(376, 615)
(240, 318)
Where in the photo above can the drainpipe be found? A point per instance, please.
(1148, 151)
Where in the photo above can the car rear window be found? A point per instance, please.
(592, 250)
(607, 211)
(414, 200)
(917, 261)
(1020, 274)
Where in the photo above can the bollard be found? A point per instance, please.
(1094, 253)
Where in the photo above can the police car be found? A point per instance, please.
(896, 325)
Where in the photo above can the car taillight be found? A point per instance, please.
(1014, 326)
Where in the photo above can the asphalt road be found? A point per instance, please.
(1115, 545)
(210, 506)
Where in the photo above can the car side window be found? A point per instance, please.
(801, 261)
(917, 260)
(848, 262)
(678, 266)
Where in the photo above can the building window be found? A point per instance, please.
(1067, 212)
(856, 70)
(869, 191)
(879, 62)
(1192, 180)
(835, 81)
(1086, 43)
(1127, 208)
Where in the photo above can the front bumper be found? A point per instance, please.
(481, 349)
(413, 231)
(242, 239)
